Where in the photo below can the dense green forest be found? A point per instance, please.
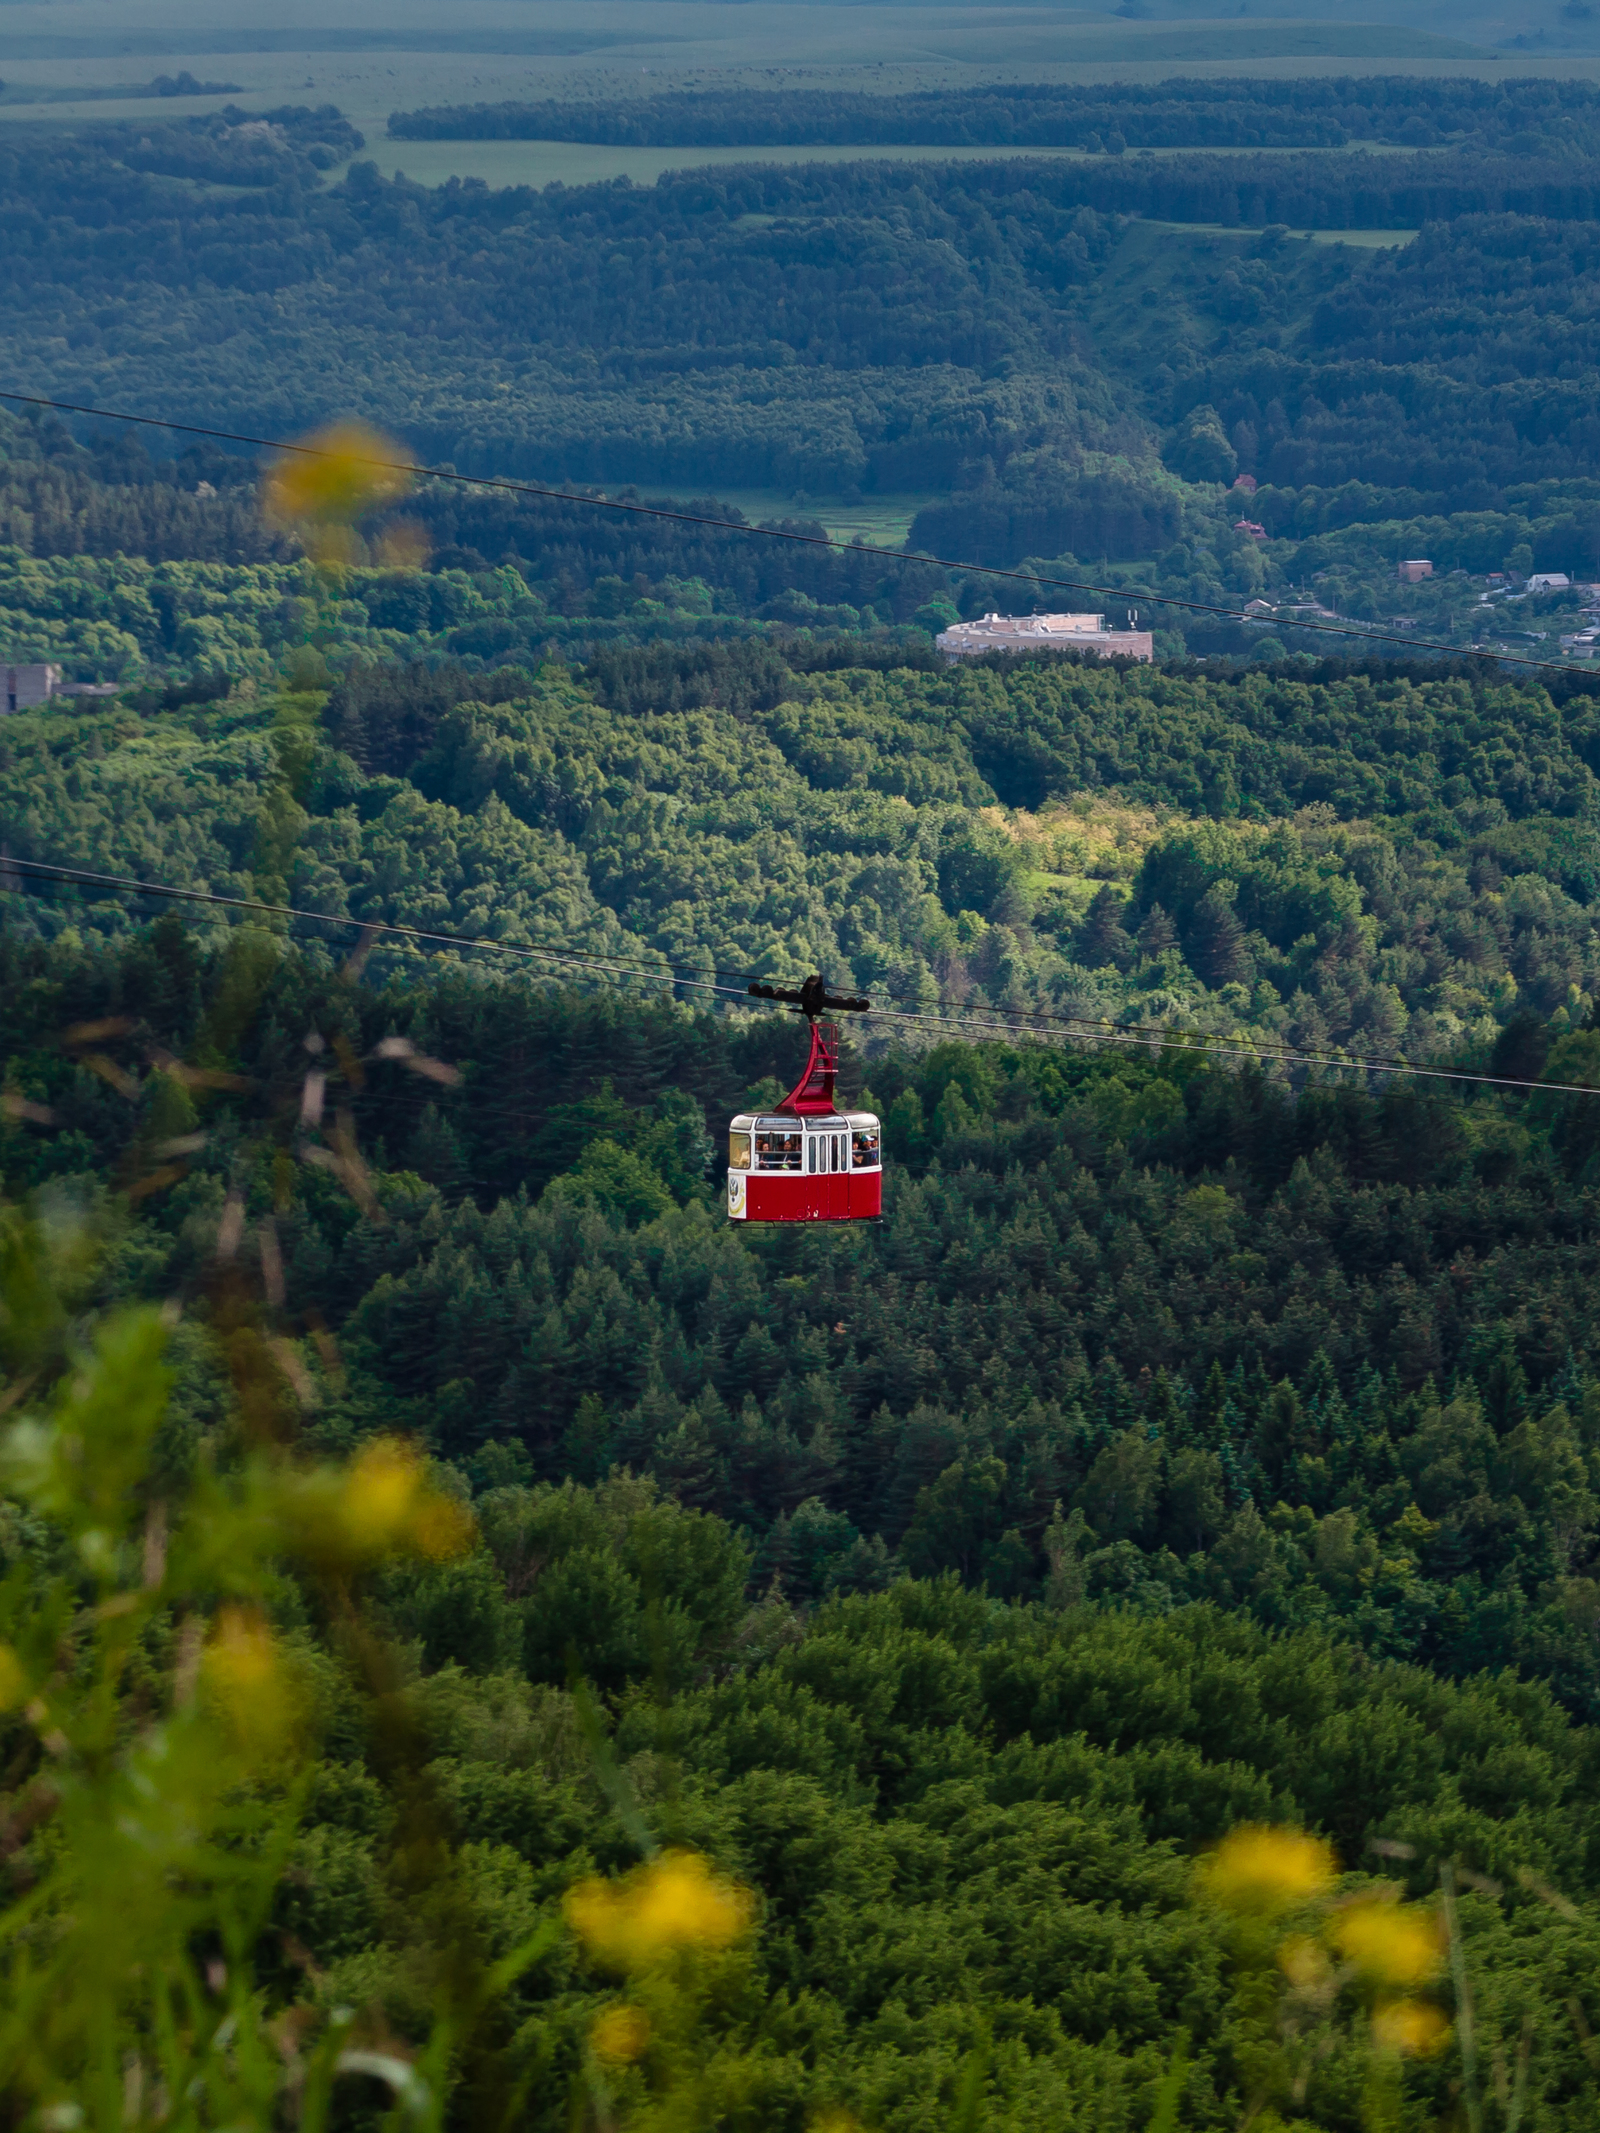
(1368, 859)
(1415, 868)
(963, 1829)
(1163, 1301)
(120, 533)
(108, 566)
(1067, 360)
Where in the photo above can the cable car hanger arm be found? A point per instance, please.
(813, 998)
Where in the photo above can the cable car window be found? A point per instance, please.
(864, 1148)
(738, 1151)
(811, 1153)
(835, 1141)
(777, 1151)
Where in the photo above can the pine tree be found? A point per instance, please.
(1157, 934)
(1163, 1415)
(1216, 937)
(1115, 1407)
(1102, 938)
(1211, 1411)
(687, 1466)
(434, 1152)
(1505, 1386)
(586, 1441)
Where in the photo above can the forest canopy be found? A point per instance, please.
(1067, 359)
(1367, 859)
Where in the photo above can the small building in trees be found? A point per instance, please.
(1414, 570)
(27, 686)
(1044, 633)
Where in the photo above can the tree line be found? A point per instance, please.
(1403, 111)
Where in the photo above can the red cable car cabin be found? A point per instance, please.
(804, 1161)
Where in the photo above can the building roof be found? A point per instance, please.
(1021, 633)
(994, 625)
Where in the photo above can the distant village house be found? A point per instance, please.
(29, 686)
(1043, 633)
(1413, 571)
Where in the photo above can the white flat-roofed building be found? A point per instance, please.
(1044, 633)
(30, 685)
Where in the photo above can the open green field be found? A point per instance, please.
(584, 163)
(881, 521)
(1364, 240)
(501, 163)
(581, 163)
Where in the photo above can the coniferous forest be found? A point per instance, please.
(484, 1640)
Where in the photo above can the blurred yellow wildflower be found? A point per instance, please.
(13, 1682)
(1262, 1869)
(339, 474)
(620, 2035)
(675, 1902)
(1410, 2026)
(1390, 1944)
(387, 1504)
(245, 1680)
(1304, 1964)
(381, 1504)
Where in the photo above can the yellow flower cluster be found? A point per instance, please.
(389, 1505)
(1394, 1946)
(339, 474)
(1414, 2028)
(246, 1682)
(673, 1904)
(1257, 1869)
(620, 2035)
(382, 1504)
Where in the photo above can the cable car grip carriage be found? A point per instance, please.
(804, 1161)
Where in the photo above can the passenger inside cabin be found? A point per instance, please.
(864, 1148)
(777, 1151)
